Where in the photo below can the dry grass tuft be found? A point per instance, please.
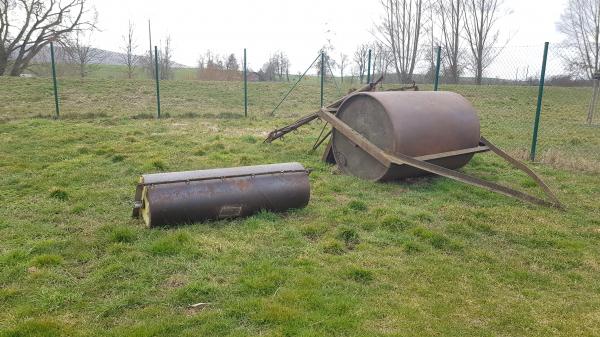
(561, 160)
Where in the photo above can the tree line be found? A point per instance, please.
(405, 36)
(216, 67)
(410, 30)
(27, 27)
(468, 33)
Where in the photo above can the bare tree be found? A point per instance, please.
(166, 60)
(78, 50)
(330, 63)
(450, 14)
(400, 31)
(360, 60)
(36, 24)
(209, 57)
(285, 62)
(130, 59)
(201, 63)
(282, 63)
(429, 33)
(342, 65)
(581, 25)
(268, 72)
(212, 67)
(481, 33)
(276, 68)
(220, 62)
(232, 63)
(381, 58)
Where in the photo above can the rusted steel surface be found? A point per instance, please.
(413, 123)
(387, 160)
(187, 197)
(328, 155)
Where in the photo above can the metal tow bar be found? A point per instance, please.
(387, 160)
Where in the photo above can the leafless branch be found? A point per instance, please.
(78, 50)
(36, 23)
(481, 33)
(130, 59)
(580, 23)
(360, 60)
(400, 32)
(451, 17)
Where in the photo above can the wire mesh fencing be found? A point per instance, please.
(506, 95)
(566, 136)
(30, 95)
(209, 91)
(505, 92)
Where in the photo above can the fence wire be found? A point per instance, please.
(565, 134)
(31, 95)
(505, 96)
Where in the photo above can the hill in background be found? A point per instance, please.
(102, 56)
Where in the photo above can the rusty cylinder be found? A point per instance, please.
(414, 123)
(192, 196)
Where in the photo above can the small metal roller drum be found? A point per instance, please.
(419, 124)
(193, 196)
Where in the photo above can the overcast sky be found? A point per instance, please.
(299, 28)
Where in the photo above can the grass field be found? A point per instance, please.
(425, 257)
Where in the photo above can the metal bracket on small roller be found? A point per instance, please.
(421, 163)
(138, 203)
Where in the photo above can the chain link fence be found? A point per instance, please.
(30, 95)
(105, 90)
(505, 95)
(566, 137)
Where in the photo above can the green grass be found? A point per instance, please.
(420, 258)
(507, 111)
(93, 98)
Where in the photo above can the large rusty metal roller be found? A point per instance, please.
(192, 196)
(390, 135)
(417, 124)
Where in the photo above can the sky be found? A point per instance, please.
(298, 28)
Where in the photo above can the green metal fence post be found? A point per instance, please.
(55, 83)
(437, 69)
(369, 68)
(245, 86)
(157, 81)
(322, 75)
(538, 110)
